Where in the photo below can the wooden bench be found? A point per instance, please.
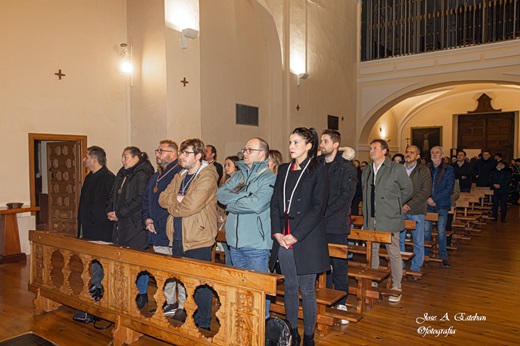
(363, 273)
(358, 221)
(325, 298)
(221, 237)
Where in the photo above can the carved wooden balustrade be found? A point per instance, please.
(61, 274)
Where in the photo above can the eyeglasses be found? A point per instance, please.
(249, 150)
(160, 151)
(186, 153)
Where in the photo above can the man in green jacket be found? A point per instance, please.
(386, 187)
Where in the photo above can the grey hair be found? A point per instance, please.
(348, 153)
(438, 146)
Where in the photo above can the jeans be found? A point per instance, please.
(203, 296)
(339, 272)
(256, 259)
(97, 273)
(307, 285)
(418, 241)
(441, 230)
(170, 286)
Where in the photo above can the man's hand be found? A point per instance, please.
(112, 216)
(405, 209)
(496, 186)
(149, 226)
(431, 203)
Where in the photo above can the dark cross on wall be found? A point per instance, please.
(184, 81)
(298, 107)
(59, 74)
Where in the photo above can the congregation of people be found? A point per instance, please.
(278, 215)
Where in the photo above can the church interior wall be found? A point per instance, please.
(331, 64)
(80, 38)
(443, 113)
(235, 69)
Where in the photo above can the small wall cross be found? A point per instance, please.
(59, 74)
(184, 81)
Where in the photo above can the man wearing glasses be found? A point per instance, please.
(192, 202)
(247, 197)
(155, 217)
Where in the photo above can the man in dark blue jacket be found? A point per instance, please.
(499, 180)
(155, 217)
(343, 182)
(443, 180)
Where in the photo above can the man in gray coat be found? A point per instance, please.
(415, 208)
(386, 187)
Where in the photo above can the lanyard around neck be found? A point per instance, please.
(288, 208)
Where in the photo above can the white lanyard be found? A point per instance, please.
(286, 209)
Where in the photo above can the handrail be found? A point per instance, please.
(60, 274)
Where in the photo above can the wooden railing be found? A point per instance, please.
(60, 274)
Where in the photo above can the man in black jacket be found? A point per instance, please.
(483, 168)
(463, 172)
(343, 181)
(92, 219)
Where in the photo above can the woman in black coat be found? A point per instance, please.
(297, 224)
(125, 200)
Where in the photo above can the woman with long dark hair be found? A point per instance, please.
(297, 224)
(125, 205)
(125, 201)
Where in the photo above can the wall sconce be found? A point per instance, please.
(126, 58)
(126, 65)
(301, 76)
(188, 33)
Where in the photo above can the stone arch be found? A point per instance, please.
(411, 91)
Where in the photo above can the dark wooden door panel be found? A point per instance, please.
(63, 180)
(492, 131)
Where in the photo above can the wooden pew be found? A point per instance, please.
(221, 237)
(325, 298)
(363, 272)
(60, 274)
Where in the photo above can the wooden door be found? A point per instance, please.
(64, 179)
(492, 131)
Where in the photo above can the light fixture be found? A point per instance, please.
(188, 33)
(302, 76)
(126, 64)
(126, 58)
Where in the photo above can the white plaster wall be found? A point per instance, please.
(146, 32)
(240, 63)
(331, 65)
(39, 37)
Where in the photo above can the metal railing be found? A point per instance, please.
(400, 27)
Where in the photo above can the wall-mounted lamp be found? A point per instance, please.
(126, 58)
(302, 76)
(188, 33)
